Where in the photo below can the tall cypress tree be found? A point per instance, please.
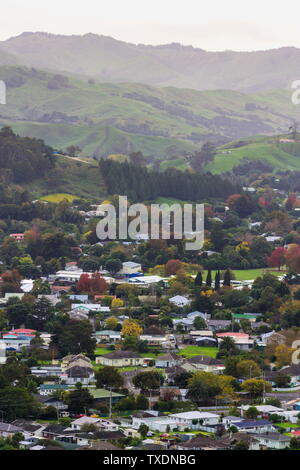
(199, 279)
(217, 280)
(227, 278)
(208, 278)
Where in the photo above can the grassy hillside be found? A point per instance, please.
(164, 123)
(68, 180)
(269, 150)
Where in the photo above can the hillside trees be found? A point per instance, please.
(141, 184)
(26, 158)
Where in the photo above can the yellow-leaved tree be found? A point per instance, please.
(131, 328)
(117, 303)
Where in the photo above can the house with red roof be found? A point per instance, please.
(242, 340)
(19, 237)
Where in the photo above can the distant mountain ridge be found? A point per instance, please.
(107, 59)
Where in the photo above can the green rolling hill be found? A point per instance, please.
(280, 156)
(164, 123)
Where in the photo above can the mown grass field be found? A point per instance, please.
(58, 197)
(190, 351)
(247, 274)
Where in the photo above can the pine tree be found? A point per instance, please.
(217, 280)
(227, 278)
(208, 278)
(198, 279)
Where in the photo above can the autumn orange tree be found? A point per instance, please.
(277, 258)
(172, 267)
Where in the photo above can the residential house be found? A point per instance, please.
(75, 373)
(196, 313)
(179, 301)
(90, 308)
(203, 443)
(78, 423)
(79, 359)
(2, 352)
(186, 324)
(53, 298)
(202, 338)
(52, 401)
(28, 427)
(264, 410)
(206, 364)
(238, 317)
(242, 340)
(102, 395)
(53, 431)
(120, 359)
(259, 426)
(79, 298)
(205, 341)
(9, 430)
(156, 423)
(130, 268)
(47, 371)
(19, 237)
(109, 336)
(49, 389)
(78, 314)
(229, 421)
(218, 325)
(157, 337)
(172, 372)
(195, 419)
(168, 360)
(293, 372)
(13, 295)
(271, 440)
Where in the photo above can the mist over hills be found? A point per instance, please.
(111, 60)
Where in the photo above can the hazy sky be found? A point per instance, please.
(209, 24)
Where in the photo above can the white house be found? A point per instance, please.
(129, 268)
(107, 335)
(272, 440)
(179, 301)
(157, 423)
(260, 426)
(120, 359)
(195, 419)
(2, 352)
(264, 410)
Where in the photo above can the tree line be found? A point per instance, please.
(141, 184)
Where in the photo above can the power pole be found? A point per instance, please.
(110, 402)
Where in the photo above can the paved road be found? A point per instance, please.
(128, 376)
(284, 396)
(76, 159)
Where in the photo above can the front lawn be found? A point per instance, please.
(288, 425)
(102, 351)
